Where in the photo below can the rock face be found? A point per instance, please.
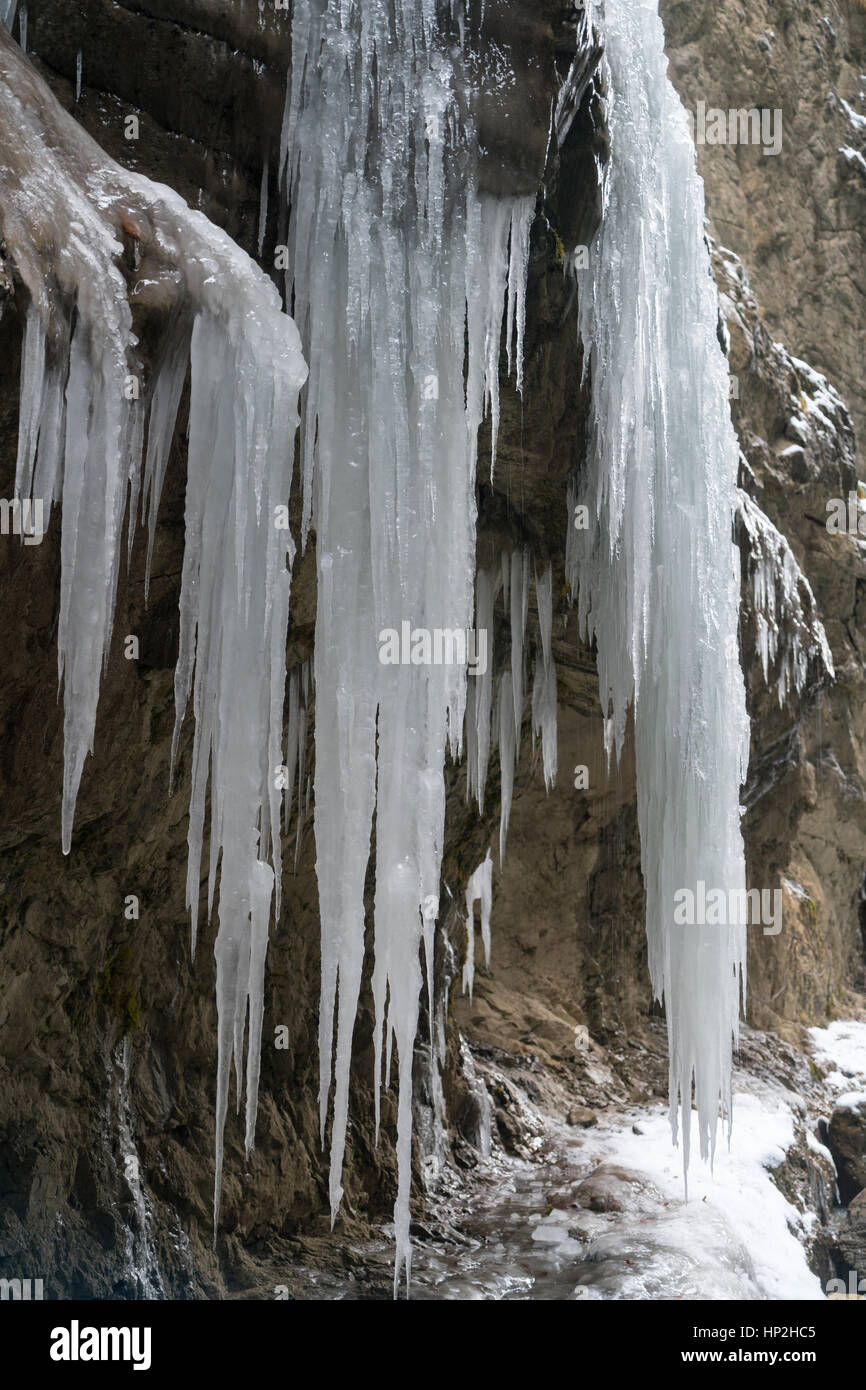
(107, 1028)
(805, 827)
(796, 218)
(847, 1142)
(852, 1236)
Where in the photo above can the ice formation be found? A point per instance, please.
(401, 274)
(495, 705)
(544, 680)
(393, 256)
(478, 889)
(93, 244)
(300, 682)
(790, 636)
(479, 700)
(263, 208)
(658, 576)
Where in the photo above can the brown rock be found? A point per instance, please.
(847, 1144)
(583, 1116)
(852, 1235)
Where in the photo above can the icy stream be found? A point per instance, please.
(599, 1214)
(528, 1237)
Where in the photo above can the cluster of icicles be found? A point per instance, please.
(90, 241)
(400, 273)
(385, 304)
(394, 511)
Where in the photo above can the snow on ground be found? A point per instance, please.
(737, 1237)
(842, 1047)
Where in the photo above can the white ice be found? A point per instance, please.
(790, 635)
(479, 889)
(393, 259)
(89, 236)
(657, 574)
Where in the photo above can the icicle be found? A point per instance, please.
(79, 68)
(508, 749)
(658, 575)
(468, 980)
(480, 699)
(260, 910)
(478, 889)
(393, 253)
(501, 225)
(297, 792)
(544, 680)
(167, 388)
(7, 13)
(790, 636)
(263, 209)
(246, 370)
(521, 224)
(22, 28)
(519, 608)
(544, 602)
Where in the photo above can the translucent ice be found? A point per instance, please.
(544, 680)
(657, 574)
(478, 889)
(92, 243)
(395, 261)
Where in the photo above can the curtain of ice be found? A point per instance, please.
(657, 573)
(91, 241)
(393, 258)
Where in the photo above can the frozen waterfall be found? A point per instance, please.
(657, 574)
(401, 279)
(393, 256)
(94, 245)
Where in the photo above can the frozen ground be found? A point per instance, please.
(599, 1212)
(841, 1046)
(604, 1217)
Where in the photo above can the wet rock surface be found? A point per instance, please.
(852, 1236)
(846, 1139)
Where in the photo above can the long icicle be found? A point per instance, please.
(658, 575)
